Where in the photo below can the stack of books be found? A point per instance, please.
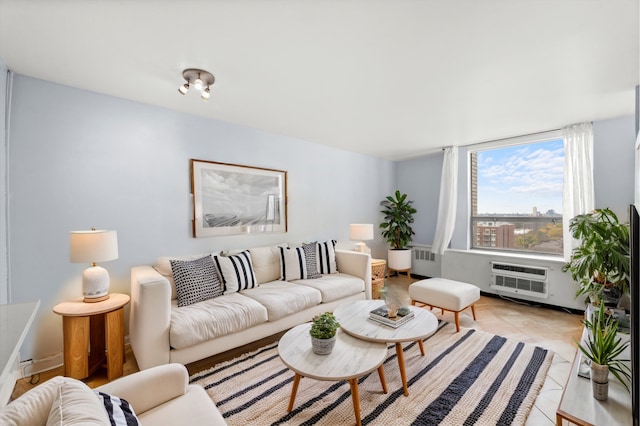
(381, 315)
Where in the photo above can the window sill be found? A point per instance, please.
(513, 256)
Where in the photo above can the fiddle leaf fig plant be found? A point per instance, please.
(398, 217)
(324, 326)
(602, 258)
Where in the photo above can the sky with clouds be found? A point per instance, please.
(518, 178)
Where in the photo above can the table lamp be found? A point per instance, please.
(91, 247)
(361, 232)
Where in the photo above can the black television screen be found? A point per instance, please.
(634, 242)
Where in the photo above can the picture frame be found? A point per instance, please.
(232, 199)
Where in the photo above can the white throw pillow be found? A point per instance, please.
(76, 404)
(236, 272)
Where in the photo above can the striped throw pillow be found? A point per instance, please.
(237, 272)
(326, 253)
(293, 264)
(120, 412)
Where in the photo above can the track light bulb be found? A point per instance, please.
(206, 93)
(198, 84)
(184, 89)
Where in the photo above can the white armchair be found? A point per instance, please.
(159, 396)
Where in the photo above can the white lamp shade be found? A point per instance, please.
(93, 246)
(361, 231)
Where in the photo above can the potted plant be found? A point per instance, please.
(396, 229)
(603, 347)
(323, 333)
(601, 262)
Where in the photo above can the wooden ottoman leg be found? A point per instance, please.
(473, 311)
(457, 316)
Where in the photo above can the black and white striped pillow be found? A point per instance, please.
(237, 272)
(196, 280)
(326, 253)
(293, 264)
(120, 412)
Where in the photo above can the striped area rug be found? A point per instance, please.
(465, 378)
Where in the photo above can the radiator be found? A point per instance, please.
(521, 279)
(424, 262)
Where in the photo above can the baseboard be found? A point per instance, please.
(31, 367)
(532, 303)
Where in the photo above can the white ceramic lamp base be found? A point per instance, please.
(95, 284)
(362, 248)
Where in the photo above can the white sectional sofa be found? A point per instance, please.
(162, 332)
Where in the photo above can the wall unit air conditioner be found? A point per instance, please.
(520, 279)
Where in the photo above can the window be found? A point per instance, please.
(516, 196)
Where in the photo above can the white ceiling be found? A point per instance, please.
(389, 78)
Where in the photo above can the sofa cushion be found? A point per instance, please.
(236, 272)
(311, 257)
(196, 280)
(76, 404)
(266, 263)
(118, 410)
(281, 298)
(326, 252)
(212, 318)
(335, 286)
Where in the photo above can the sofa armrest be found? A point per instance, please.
(356, 264)
(150, 388)
(150, 316)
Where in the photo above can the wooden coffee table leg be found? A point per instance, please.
(383, 382)
(421, 347)
(403, 372)
(294, 390)
(355, 396)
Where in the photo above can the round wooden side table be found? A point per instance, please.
(93, 335)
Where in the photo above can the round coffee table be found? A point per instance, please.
(354, 319)
(350, 359)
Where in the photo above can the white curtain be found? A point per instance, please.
(578, 194)
(447, 203)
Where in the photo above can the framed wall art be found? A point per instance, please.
(232, 199)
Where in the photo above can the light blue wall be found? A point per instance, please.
(4, 275)
(614, 164)
(80, 160)
(419, 178)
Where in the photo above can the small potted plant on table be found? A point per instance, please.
(603, 347)
(323, 333)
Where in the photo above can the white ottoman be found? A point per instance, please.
(448, 295)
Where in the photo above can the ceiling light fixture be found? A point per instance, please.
(200, 79)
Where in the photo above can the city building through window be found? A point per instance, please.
(516, 196)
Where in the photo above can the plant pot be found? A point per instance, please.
(600, 381)
(600, 390)
(399, 259)
(599, 373)
(322, 346)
